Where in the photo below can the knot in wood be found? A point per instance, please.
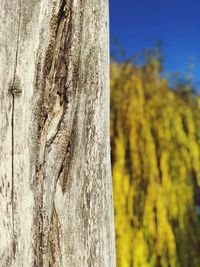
(15, 90)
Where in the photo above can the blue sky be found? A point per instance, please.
(139, 24)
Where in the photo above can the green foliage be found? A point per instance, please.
(156, 168)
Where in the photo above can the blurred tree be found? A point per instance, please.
(156, 167)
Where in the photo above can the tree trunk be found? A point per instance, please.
(55, 187)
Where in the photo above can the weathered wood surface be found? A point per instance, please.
(55, 184)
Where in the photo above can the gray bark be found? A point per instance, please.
(55, 181)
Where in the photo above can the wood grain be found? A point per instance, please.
(55, 188)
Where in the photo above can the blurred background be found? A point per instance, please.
(155, 131)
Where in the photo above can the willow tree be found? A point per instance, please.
(55, 186)
(156, 171)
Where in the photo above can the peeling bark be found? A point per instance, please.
(55, 187)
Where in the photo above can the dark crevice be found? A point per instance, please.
(63, 81)
(61, 14)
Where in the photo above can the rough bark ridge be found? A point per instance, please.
(55, 186)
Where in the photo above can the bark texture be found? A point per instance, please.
(55, 186)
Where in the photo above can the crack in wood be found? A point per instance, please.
(59, 82)
(15, 90)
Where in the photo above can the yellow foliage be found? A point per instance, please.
(156, 168)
